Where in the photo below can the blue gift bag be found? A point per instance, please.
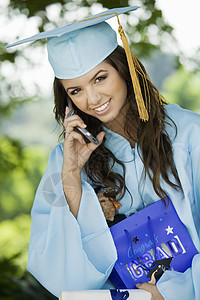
(148, 243)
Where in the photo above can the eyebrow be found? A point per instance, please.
(93, 77)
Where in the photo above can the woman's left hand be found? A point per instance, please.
(151, 288)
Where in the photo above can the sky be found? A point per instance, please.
(184, 17)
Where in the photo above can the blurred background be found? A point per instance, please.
(163, 34)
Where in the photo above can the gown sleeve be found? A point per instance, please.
(66, 253)
(185, 286)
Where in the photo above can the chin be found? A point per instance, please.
(111, 121)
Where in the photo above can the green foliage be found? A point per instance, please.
(15, 235)
(9, 101)
(31, 8)
(150, 32)
(11, 156)
(4, 55)
(15, 282)
(20, 172)
(183, 88)
(23, 287)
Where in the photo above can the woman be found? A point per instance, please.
(145, 152)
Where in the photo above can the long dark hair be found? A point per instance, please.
(153, 141)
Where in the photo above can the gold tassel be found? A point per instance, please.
(133, 64)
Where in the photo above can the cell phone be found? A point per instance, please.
(84, 131)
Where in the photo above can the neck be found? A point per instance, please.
(117, 125)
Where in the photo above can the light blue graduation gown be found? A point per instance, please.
(66, 253)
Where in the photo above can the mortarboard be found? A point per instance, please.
(77, 47)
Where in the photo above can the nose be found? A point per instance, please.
(93, 97)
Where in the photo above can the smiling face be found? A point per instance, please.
(100, 93)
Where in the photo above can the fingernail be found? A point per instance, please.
(83, 124)
(138, 285)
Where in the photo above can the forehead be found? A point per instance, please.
(103, 66)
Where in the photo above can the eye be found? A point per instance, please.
(75, 92)
(100, 78)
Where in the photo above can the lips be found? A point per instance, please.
(101, 105)
(100, 112)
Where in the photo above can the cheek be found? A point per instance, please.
(116, 86)
(121, 89)
(79, 102)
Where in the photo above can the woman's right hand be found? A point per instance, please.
(76, 151)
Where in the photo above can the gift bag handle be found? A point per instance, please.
(117, 295)
(153, 242)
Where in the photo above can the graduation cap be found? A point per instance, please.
(77, 47)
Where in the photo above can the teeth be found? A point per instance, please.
(102, 107)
